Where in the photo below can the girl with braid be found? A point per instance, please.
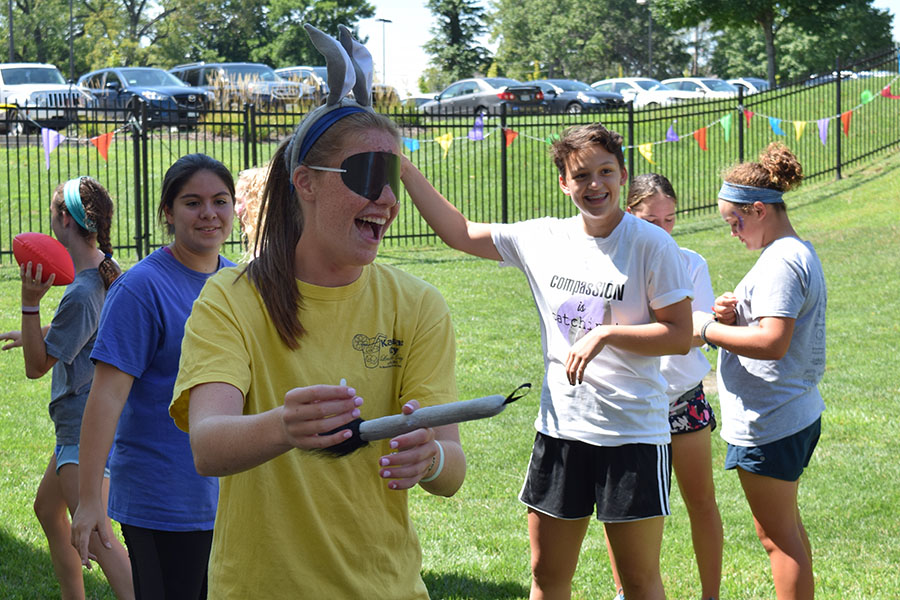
(80, 217)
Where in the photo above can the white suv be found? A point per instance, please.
(703, 87)
(42, 96)
(645, 92)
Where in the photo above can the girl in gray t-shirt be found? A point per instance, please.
(80, 217)
(771, 335)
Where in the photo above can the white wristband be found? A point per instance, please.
(440, 466)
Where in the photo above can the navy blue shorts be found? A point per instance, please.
(567, 479)
(782, 459)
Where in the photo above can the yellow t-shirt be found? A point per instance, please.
(302, 525)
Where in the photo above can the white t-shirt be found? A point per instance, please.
(684, 371)
(763, 401)
(579, 282)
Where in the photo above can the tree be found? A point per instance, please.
(768, 15)
(583, 39)
(856, 32)
(254, 30)
(40, 32)
(454, 50)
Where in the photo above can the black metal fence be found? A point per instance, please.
(495, 168)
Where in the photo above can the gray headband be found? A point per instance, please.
(748, 194)
(349, 67)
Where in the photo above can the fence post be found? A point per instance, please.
(837, 100)
(254, 150)
(145, 176)
(740, 120)
(136, 127)
(246, 136)
(631, 166)
(504, 187)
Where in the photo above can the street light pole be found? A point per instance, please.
(71, 49)
(649, 37)
(383, 46)
(12, 45)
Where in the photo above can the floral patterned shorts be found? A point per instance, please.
(691, 412)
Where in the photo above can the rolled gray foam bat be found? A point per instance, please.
(429, 416)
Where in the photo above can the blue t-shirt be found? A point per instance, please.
(70, 340)
(153, 482)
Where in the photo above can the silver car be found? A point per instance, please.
(486, 96)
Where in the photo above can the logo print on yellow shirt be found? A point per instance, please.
(379, 351)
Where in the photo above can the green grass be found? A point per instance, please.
(476, 543)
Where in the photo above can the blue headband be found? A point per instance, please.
(313, 131)
(748, 194)
(74, 205)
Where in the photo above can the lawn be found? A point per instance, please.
(476, 544)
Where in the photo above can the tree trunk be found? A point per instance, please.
(768, 25)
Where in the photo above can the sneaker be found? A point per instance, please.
(620, 595)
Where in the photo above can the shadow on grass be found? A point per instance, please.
(455, 585)
(26, 573)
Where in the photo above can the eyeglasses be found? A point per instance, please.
(367, 173)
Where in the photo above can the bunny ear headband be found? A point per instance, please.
(349, 67)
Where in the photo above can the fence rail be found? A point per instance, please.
(495, 168)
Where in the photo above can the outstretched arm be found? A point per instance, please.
(225, 441)
(446, 220)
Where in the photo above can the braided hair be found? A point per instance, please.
(98, 211)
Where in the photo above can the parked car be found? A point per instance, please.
(751, 85)
(644, 92)
(169, 100)
(415, 102)
(236, 82)
(816, 79)
(313, 81)
(572, 96)
(486, 95)
(42, 96)
(702, 87)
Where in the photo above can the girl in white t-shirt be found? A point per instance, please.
(691, 419)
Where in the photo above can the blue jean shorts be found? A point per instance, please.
(782, 459)
(67, 454)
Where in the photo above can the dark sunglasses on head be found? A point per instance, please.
(367, 173)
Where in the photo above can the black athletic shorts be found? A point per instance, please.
(566, 479)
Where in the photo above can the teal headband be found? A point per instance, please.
(748, 194)
(74, 205)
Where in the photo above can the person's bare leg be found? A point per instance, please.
(555, 546)
(612, 564)
(51, 511)
(776, 516)
(692, 462)
(636, 546)
(114, 561)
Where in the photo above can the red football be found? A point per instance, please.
(40, 248)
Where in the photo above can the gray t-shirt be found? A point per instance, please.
(70, 340)
(763, 401)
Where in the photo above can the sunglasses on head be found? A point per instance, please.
(367, 173)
